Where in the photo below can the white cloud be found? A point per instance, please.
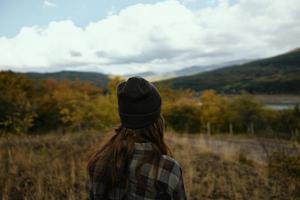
(49, 4)
(159, 37)
(189, 1)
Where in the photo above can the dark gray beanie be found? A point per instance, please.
(139, 103)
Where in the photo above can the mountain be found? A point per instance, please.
(199, 69)
(156, 76)
(142, 74)
(98, 79)
(275, 75)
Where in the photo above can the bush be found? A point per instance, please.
(183, 116)
(286, 165)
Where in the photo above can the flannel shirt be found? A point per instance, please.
(168, 185)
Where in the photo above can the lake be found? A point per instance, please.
(281, 106)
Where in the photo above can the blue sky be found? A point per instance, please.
(127, 36)
(16, 14)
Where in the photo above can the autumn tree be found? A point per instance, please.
(212, 110)
(16, 110)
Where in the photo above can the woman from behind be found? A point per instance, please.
(136, 163)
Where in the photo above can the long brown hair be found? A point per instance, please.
(110, 164)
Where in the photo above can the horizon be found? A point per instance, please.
(130, 37)
(221, 65)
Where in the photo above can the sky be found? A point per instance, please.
(129, 36)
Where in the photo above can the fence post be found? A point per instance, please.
(230, 129)
(252, 128)
(208, 128)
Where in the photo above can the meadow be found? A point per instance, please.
(53, 166)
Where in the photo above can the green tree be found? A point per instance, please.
(183, 116)
(246, 113)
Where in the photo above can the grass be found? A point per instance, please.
(53, 166)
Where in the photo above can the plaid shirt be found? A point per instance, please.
(168, 185)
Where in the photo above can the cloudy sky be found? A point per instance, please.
(129, 36)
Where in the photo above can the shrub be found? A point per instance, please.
(286, 165)
(183, 116)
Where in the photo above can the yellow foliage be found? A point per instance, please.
(212, 107)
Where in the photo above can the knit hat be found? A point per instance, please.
(139, 103)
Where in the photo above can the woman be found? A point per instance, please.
(135, 163)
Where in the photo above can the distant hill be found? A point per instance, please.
(142, 74)
(199, 69)
(98, 79)
(275, 75)
(186, 71)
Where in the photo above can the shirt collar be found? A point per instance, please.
(142, 147)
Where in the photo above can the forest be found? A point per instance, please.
(29, 106)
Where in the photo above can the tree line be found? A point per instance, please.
(41, 106)
(210, 112)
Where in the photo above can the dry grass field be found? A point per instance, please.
(52, 166)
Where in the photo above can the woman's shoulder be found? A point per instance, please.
(170, 161)
(169, 171)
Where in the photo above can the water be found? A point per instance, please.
(281, 106)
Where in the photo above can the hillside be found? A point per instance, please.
(98, 79)
(200, 69)
(186, 71)
(275, 75)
